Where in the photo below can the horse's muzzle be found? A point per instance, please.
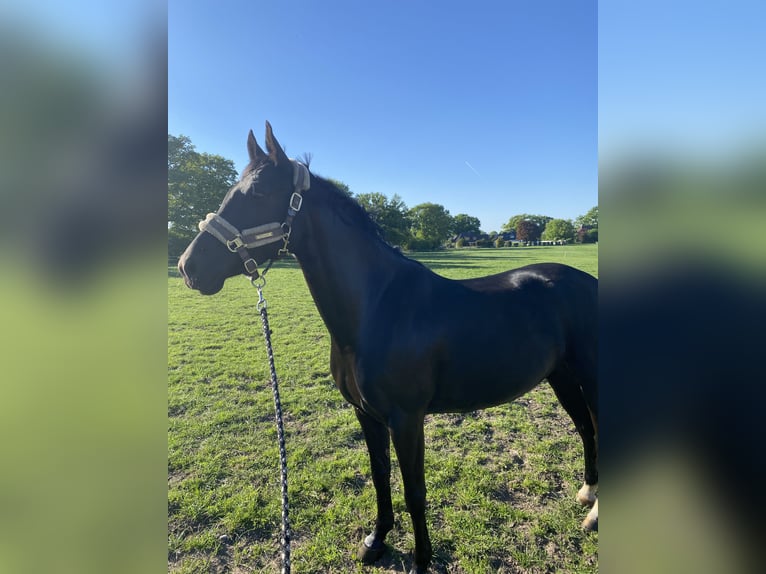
(192, 280)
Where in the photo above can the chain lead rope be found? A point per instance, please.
(285, 540)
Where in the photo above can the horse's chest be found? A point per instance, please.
(362, 383)
(342, 369)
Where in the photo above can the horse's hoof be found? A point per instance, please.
(370, 550)
(590, 524)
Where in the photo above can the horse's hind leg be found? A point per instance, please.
(571, 397)
(378, 445)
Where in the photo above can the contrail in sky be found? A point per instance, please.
(472, 168)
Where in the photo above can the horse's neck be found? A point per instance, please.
(345, 268)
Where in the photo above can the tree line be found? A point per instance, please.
(196, 182)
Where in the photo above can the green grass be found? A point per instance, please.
(501, 482)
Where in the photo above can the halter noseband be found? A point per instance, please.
(240, 241)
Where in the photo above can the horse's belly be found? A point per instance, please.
(475, 395)
(477, 384)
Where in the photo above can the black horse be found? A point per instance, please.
(398, 345)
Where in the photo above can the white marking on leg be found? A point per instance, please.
(587, 494)
(591, 521)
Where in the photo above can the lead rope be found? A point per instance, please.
(285, 540)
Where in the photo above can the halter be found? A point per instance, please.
(240, 241)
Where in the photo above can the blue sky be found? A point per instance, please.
(488, 108)
(681, 77)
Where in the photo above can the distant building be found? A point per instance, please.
(472, 239)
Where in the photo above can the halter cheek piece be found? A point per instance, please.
(240, 241)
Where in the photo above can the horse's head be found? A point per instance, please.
(253, 222)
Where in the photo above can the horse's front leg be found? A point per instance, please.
(407, 435)
(378, 445)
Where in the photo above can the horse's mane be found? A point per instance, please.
(348, 208)
(350, 211)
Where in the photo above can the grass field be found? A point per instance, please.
(501, 482)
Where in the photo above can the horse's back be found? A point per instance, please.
(565, 293)
(548, 274)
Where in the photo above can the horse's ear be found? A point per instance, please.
(254, 150)
(275, 150)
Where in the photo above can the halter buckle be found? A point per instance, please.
(251, 267)
(235, 244)
(296, 201)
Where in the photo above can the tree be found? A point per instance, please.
(558, 230)
(589, 220)
(527, 230)
(197, 183)
(586, 227)
(463, 223)
(540, 220)
(391, 215)
(585, 235)
(432, 225)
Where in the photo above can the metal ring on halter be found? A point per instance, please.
(259, 283)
